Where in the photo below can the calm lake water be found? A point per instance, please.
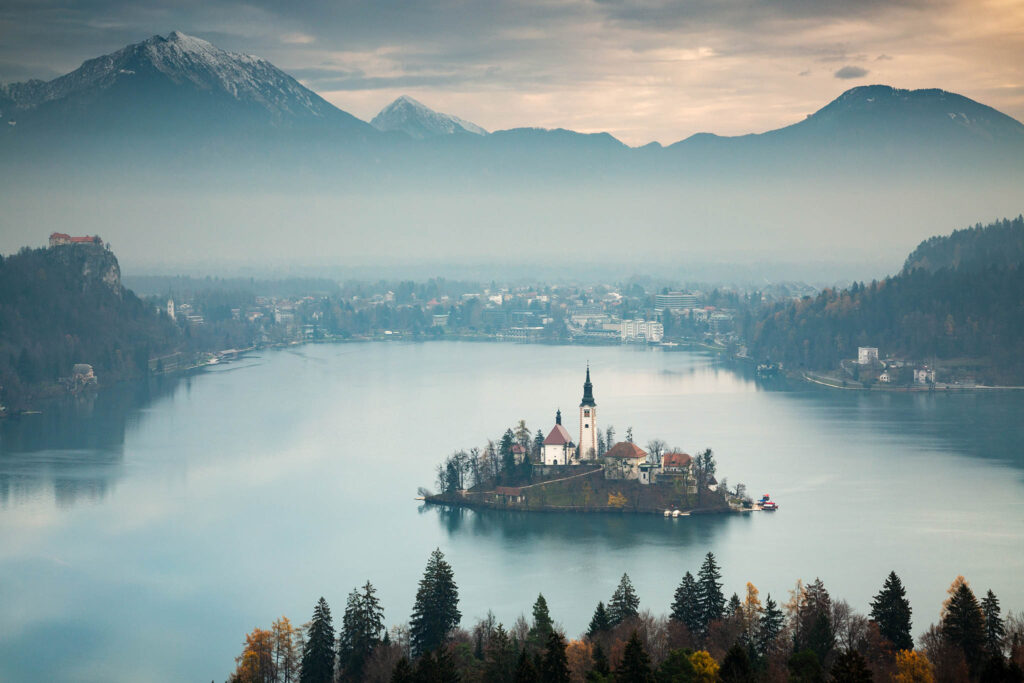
(142, 534)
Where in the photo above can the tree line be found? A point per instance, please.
(957, 297)
(706, 638)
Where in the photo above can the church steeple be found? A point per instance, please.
(558, 417)
(588, 391)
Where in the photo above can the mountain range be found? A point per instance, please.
(180, 82)
(177, 123)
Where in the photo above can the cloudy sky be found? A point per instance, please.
(641, 69)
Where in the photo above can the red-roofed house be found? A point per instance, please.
(519, 453)
(558, 446)
(676, 462)
(623, 460)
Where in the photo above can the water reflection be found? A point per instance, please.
(611, 530)
(74, 448)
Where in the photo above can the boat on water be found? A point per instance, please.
(668, 513)
(676, 513)
(767, 504)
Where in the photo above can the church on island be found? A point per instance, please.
(559, 448)
(623, 460)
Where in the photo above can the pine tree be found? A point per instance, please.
(508, 460)
(890, 609)
(769, 627)
(600, 667)
(361, 629)
(318, 651)
(636, 664)
(850, 667)
(600, 622)
(526, 672)
(963, 623)
(500, 657)
(542, 623)
(624, 603)
(709, 591)
(736, 666)
(554, 666)
(995, 629)
(538, 444)
(436, 611)
(733, 606)
(402, 673)
(686, 607)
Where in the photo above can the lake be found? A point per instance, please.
(144, 532)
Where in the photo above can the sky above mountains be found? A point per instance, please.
(640, 69)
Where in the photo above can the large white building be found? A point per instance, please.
(641, 330)
(867, 355)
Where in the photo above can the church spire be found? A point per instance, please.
(588, 390)
(558, 417)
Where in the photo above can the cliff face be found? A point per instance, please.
(94, 264)
(63, 306)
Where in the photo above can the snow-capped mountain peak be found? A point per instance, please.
(180, 60)
(420, 121)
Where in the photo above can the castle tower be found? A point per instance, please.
(588, 421)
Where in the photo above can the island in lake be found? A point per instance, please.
(591, 473)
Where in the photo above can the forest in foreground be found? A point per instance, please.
(811, 637)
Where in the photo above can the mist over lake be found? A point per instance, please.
(154, 521)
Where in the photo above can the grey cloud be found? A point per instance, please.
(849, 71)
(883, 58)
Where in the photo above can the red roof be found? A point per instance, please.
(558, 437)
(676, 460)
(518, 449)
(625, 450)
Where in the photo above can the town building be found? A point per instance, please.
(867, 355)
(674, 301)
(641, 330)
(59, 238)
(623, 460)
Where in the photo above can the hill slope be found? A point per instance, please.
(959, 297)
(66, 305)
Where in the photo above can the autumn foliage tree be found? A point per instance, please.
(256, 663)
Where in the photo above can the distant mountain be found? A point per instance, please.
(420, 121)
(874, 119)
(177, 83)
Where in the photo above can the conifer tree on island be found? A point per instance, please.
(436, 610)
(890, 609)
(318, 651)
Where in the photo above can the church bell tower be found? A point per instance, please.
(588, 422)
